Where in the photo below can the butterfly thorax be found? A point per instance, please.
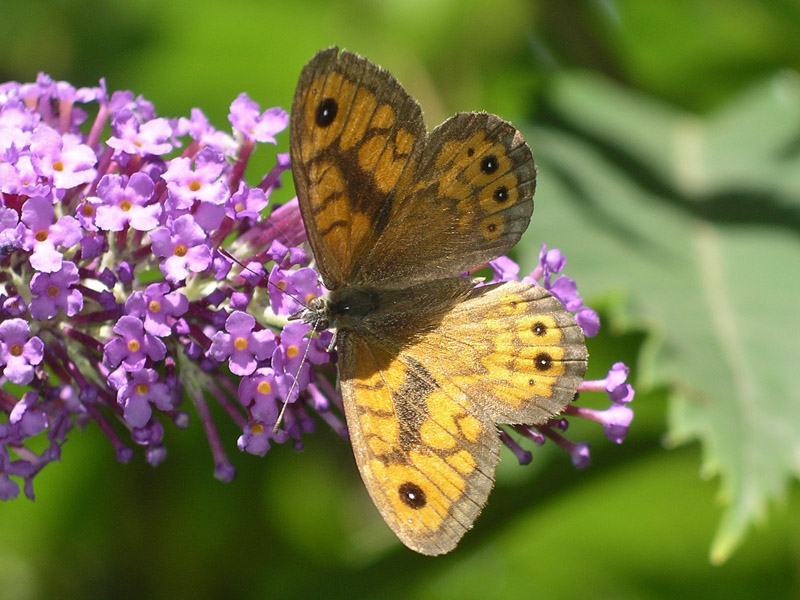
(398, 312)
(341, 309)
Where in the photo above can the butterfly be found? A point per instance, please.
(428, 361)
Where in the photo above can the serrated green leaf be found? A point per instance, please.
(697, 220)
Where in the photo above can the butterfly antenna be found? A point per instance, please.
(278, 421)
(291, 388)
(224, 252)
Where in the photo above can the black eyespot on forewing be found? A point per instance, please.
(489, 164)
(501, 194)
(326, 112)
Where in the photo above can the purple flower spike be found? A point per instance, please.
(93, 334)
(133, 347)
(19, 352)
(125, 201)
(244, 346)
(53, 291)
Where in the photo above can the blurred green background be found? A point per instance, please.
(667, 134)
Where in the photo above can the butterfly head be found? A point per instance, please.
(341, 309)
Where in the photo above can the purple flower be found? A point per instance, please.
(291, 290)
(157, 304)
(185, 247)
(246, 203)
(87, 212)
(256, 439)
(26, 419)
(588, 320)
(125, 201)
(242, 344)
(504, 269)
(19, 352)
(615, 420)
(62, 158)
(619, 392)
(133, 347)
(285, 256)
(42, 235)
(140, 390)
(53, 291)
(20, 177)
(135, 138)
(566, 291)
(10, 229)
(260, 394)
(245, 118)
(201, 184)
(200, 130)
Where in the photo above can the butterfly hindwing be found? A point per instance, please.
(427, 456)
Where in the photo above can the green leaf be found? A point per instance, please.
(696, 220)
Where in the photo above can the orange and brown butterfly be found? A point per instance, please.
(428, 361)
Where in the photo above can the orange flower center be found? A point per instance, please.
(58, 166)
(126, 205)
(180, 250)
(264, 388)
(292, 351)
(141, 388)
(240, 343)
(134, 345)
(154, 306)
(195, 185)
(41, 236)
(16, 350)
(52, 291)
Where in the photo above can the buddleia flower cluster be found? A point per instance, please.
(142, 277)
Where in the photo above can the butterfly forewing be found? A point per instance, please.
(355, 133)
(469, 202)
